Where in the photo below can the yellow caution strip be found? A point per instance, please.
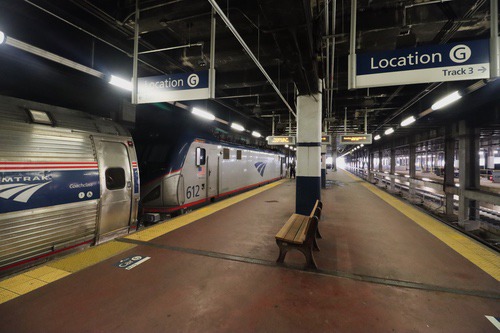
(480, 255)
(33, 279)
(28, 281)
(178, 222)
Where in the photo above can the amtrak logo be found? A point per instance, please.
(20, 192)
(261, 166)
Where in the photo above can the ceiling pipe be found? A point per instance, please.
(173, 48)
(90, 34)
(249, 51)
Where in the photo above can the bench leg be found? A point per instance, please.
(308, 253)
(306, 249)
(315, 245)
(318, 234)
(283, 250)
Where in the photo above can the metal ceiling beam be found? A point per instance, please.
(249, 51)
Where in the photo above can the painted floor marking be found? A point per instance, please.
(178, 222)
(494, 321)
(481, 256)
(341, 274)
(23, 283)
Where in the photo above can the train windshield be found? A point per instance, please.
(153, 156)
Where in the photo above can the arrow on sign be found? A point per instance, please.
(482, 69)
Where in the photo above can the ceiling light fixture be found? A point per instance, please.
(256, 134)
(237, 127)
(2, 37)
(377, 137)
(408, 121)
(389, 131)
(203, 114)
(121, 83)
(453, 97)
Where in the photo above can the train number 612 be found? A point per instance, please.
(193, 191)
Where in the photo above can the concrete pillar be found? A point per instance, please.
(371, 157)
(490, 161)
(468, 160)
(393, 169)
(380, 167)
(412, 169)
(323, 166)
(334, 152)
(308, 188)
(449, 169)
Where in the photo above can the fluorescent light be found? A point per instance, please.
(408, 121)
(446, 100)
(426, 179)
(237, 127)
(377, 137)
(203, 114)
(256, 134)
(2, 37)
(389, 131)
(119, 82)
(286, 146)
(362, 145)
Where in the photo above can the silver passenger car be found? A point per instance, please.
(67, 179)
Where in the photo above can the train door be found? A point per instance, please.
(213, 174)
(116, 186)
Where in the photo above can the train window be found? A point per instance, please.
(200, 156)
(225, 153)
(115, 178)
(238, 154)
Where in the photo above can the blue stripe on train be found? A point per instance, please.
(21, 190)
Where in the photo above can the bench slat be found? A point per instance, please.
(294, 230)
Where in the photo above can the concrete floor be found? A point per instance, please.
(379, 272)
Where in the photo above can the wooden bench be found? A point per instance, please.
(300, 232)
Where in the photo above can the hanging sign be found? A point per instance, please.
(432, 63)
(173, 87)
(281, 140)
(355, 139)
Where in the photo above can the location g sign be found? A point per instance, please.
(433, 63)
(173, 87)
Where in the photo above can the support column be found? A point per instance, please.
(380, 167)
(323, 166)
(449, 170)
(490, 161)
(412, 169)
(468, 161)
(308, 188)
(393, 169)
(371, 157)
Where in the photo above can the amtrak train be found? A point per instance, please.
(197, 171)
(67, 179)
(185, 163)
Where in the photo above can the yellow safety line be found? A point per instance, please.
(178, 222)
(23, 283)
(481, 256)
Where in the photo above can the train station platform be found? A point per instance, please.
(384, 266)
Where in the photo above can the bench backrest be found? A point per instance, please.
(316, 211)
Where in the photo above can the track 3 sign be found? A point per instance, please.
(433, 63)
